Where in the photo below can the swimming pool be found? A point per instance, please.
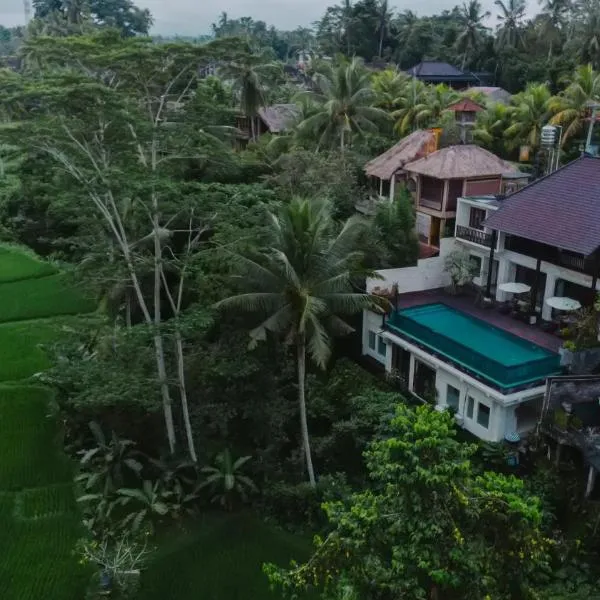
(502, 358)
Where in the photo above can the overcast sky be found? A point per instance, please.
(193, 17)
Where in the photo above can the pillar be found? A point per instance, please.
(488, 285)
(392, 186)
(506, 273)
(411, 372)
(548, 293)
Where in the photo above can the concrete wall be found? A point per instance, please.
(373, 323)
(429, 273)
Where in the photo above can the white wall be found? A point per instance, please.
(373, 322)
(429, 273)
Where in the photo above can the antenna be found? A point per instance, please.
(27, 10)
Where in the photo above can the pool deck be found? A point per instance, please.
(466, 304)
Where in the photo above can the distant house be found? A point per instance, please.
(493, 94)
(440, 72)
(275, 119)
(465, 113)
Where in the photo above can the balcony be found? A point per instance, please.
(432, 204)
(476, 236)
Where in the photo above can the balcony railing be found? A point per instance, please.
(474, 235)
(499, 375)
(433, 204)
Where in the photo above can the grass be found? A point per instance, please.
(42, 297)
(220, 559)
(39, 520)
(16, 265)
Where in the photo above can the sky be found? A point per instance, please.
(193, 17)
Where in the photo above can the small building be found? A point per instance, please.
(493, 94)
(274, 119)
(387, 169)
(465, 114)
(440, 178)
(435, 72)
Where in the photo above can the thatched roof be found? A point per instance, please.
(279, 117)
(460, 162)
(407, 150)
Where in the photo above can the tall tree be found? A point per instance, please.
(528, 113)
(345, 105)
(472, 28)
(301, 282)
(250, 75)
(428, 525)
(383, 23)
(510, 24)
(571, 108)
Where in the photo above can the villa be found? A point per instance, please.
(456, 351)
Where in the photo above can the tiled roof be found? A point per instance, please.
(561, 209)
(466, 105)
(439, 70)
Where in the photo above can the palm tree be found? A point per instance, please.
(345, 105)
(250, 76)
(389, 85)
(384, 17)
(528, 113)
(344, 16)
(490, 126)
(471, 17)
(511, 16)
(436, 99)
(571, 107)
(410, 103)
(301, 282)
(553, 18)
(586, 31)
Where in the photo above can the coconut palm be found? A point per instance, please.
(528, 113)
(345, 105)
(436, 99)
(472, 28)
(384, 17)
(571, 107)
(410, 103)
(301, 282)
(510, 24)
(490, 126)
(586, 31)
(389, 85)
(552, 20)
(250, 76)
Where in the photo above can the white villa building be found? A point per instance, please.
(462, 353)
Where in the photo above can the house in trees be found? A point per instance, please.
(440, 178)
(275, 119)
(435, 72)
(465, 114)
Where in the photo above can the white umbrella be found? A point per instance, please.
(563, 303)
(514, 288)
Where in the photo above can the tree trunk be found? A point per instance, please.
(184, 402)
(301, 350)
(342, 141)
(164, 388)
(381, 32)
(252, 129)
(464, 61)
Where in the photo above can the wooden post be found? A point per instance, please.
(392, 187)
(488, 285)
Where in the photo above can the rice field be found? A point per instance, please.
(39, 521)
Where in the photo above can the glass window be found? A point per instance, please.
(476, 262)
(470, 407)
(452, 397)
(372, 340)
(483, 415)
(381, 346)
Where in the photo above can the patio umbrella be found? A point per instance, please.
(563, 303)
(514, 288)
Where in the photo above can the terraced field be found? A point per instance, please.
(39, 522)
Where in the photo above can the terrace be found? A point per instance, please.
(502, 352)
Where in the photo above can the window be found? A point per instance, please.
(452, 397)
(424, 382)
(470, 407)
(476, 262)
(476, 218)
(372, 340)
(381, 346)
(483, 415)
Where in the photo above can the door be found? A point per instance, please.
(434, 232)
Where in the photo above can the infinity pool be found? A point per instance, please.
(497, 355)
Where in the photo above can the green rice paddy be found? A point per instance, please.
(39, 522)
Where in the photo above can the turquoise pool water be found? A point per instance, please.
(501, 357)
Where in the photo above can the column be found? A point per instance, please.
(411, 372)
(392, 186)
(506, 273)
(548, 293)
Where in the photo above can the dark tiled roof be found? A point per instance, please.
(439, 70)
(561, 209)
